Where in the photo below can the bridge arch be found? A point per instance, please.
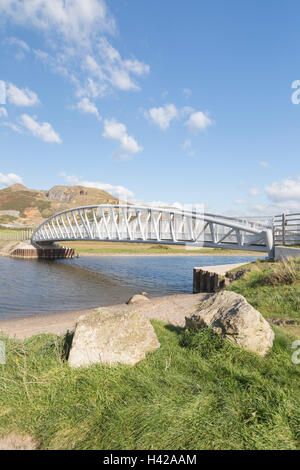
(143, 224)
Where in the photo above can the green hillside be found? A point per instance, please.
(30, 207)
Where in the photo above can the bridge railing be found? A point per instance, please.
(152, 225)
(286, 229)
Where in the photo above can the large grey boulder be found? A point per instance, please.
(231, 316)
(112, 338)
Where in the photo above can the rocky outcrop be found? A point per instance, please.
(111, 338)
(62, 193)
(230, 315)
(236, 275)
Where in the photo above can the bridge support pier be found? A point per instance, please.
(50, 252)
(270, 244)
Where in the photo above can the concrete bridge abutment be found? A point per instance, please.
(50, 251)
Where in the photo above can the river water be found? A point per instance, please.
(28, 288)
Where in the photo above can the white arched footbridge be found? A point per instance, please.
(129, 223)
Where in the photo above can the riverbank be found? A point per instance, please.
(141, 249)
(135, 249)
(197, 391)
(170, 308)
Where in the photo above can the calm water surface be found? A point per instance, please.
(29, 288)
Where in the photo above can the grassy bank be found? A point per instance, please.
(148, 249)
(274, 290)
(196, 392)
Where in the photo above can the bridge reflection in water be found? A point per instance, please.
(129, 223)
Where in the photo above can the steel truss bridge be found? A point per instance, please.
(139, 224)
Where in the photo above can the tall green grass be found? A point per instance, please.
(197, 391)
(272, 288)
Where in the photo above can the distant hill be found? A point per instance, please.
(20, 206)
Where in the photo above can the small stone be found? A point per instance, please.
(137, 298)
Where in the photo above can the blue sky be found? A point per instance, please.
(163, 101)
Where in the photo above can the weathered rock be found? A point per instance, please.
(225, 282)
(111, 338)
(231, 316)
(236, 275)
(137, 298)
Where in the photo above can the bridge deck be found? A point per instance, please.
(153, 225)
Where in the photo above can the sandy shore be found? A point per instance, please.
(171, 309)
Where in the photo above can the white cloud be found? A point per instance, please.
(9, 179)
(20, 47)
(43, 131)
(197, 208)
(12, 126)
(136, 67)
(187, 144)
(198, 121)
(187, 147)
(264, 164)
(121, 79)
(274, 208)
(118, 191)
(21, 97)
(163, 115)
(284, 197)
(113, 69)
(286, 190)
(74, 29)
(92, 89)
(3, 112)
(187, 92)
(94, 68)
(12, 41)
(75, 20)
(87, 107)
(103, 69)
(117, 131)
(186, 111)
(239, 202)
(254, 191)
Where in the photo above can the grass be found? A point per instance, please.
(4, 230)
(197, 391)
(23, 200)
(7, 219)
(273, 288)
(138, 248)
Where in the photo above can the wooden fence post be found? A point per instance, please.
(205, 281)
